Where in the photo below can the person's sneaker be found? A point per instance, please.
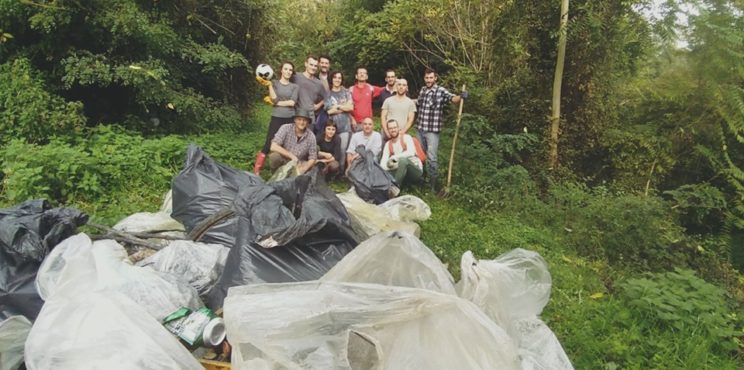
(393, 191)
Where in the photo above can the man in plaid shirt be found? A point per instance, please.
(430, 106)
(295, 142)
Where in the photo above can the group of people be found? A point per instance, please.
(317, 121)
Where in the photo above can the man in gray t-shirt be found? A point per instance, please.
(399, 107)
(312, 93)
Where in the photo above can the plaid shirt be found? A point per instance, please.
(430, 104)
(304, 147)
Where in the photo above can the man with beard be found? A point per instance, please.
(324, 64)
(430, 106)
(294, 142)
(388, 90)
(400, 108)
(399, 156)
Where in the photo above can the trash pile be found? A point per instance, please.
(285, 274)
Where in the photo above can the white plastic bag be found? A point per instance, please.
(396, 259)
(325, 325)
(407, 208)
(368, 219)
(512, 290)
(149, 222)
(101, 330)
(13, 333)
(103, 266)
(199, 264)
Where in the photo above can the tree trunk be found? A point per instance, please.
(555, 117)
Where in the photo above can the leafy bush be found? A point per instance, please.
(28, 111)
(680, 301)
(702, 207)
(626, 229)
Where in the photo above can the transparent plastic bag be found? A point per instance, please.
(103, 265)
(407, 208)
(149, 222)
(368, 219)
(13, 333)
(512, 290)
(101, 330)
(289, 169)
(394, 259)
(197, 263)
(325, 325)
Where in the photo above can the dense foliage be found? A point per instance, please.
(642, 223)
(158, 66)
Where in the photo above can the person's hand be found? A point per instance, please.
(267, 100)
(262, 81)
(464, 95)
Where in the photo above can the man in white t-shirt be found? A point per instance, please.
(368, 138)
(399, 156)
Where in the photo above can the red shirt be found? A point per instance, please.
(362, 97)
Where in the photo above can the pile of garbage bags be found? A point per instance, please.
(392, 304)
(308, 279)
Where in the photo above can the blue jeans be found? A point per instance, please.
(430, 141)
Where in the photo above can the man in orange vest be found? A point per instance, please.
(401, 156)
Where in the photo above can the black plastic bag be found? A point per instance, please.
(205, 187)
(302, 219)
(28, 232)
(371, 182)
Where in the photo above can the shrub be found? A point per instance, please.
(625, 229)
(680, 301)
(28, 111)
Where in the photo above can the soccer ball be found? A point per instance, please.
(264, 71)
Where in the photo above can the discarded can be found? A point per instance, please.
(196, 328)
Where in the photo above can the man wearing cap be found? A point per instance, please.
(294, 142)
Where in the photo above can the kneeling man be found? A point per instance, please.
(294, 142)
(399, 156)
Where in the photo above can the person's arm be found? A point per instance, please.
(410, 148)
(377, 90)
(375, 144)
(306, 166)
(282, 103)
(385, 157)
(349, 105)
(284, 152)
(410, 118)
(383, 117)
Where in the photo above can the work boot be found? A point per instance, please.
(433, 184)
(260, 158)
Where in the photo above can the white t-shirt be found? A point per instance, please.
(398, 153)
(373, 142)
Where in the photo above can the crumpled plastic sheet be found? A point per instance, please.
(368, 219)
(13, 333)
(197, 263)
(148, 222)
(330, 325)
(512, 290)
(289, 169)
(407, 208)
(393, 259)
(103, 313)
(101, 330)
(103, 266)
(28, 232)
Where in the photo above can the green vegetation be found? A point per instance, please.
(641, 222)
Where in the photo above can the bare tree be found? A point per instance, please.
(555, 117)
